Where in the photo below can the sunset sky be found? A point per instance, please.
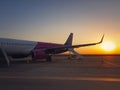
(53, 20)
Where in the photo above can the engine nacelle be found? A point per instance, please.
(37, 54)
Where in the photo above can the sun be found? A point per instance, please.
(108, 46)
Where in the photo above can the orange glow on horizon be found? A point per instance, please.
(97, 50)
(108, 46)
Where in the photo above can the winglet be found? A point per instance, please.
(101, 39)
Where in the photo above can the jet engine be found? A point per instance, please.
(39, 54)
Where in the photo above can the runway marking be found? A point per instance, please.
(63, 78)
(113, 64)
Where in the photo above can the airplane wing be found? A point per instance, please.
(89, 44)
(66, 47)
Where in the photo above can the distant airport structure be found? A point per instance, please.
(38, 50)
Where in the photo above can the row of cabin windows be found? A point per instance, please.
(17, 44)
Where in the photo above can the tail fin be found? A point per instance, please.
(69, 40)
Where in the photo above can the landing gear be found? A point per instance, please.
(33, 58)
(49, 59)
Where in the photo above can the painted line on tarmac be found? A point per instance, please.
(63, 78)
(111, 63)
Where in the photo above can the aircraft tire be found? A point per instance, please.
(49, 59)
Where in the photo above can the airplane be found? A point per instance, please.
(38, 50)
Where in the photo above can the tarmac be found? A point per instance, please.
(90, 73)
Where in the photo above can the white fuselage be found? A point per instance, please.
(13, 46)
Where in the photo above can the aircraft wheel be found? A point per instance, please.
(49, 59)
